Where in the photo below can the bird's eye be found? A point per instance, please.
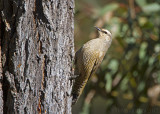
(105, 32)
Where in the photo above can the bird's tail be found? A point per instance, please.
(75, 92)
(78, 88)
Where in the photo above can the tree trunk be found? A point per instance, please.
(1, 76)
(37, 54)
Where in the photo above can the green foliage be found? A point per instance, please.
(148, 8)
(151, 8)
(85, 109)
(131, 68)
(107, 8)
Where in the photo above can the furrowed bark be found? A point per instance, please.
(37, 54)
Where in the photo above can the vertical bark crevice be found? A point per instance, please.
(5, 89)
(26, 60)
(39, 12)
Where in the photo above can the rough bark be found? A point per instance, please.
(1, 76)
(37, 55)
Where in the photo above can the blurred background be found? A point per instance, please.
(128, 80)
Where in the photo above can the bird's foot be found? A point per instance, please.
(73, 77)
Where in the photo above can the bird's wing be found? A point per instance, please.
(77, 56)
(96, 65)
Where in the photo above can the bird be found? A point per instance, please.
(87, 60)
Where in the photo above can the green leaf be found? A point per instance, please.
(113, 65)
(130, 40)
(124, 83)
(141, 86)
(85, 109)
(108, 78)
(154, 7)
(157, 48)
(148, 8)
(141, 2)
(108, 8)
(151, 61)
(142, 51)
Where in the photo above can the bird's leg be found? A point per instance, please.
(73, 77)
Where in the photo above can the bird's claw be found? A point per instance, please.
(73, 77)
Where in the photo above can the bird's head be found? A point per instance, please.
(104, 33)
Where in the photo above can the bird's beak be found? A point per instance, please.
(98, 28)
